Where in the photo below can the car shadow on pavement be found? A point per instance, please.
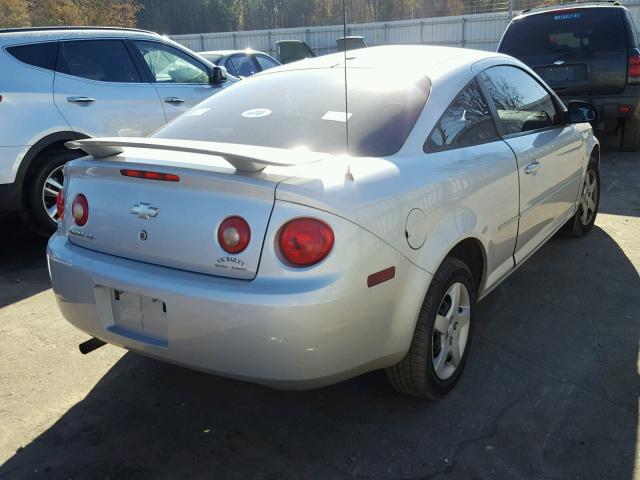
(550, 390)
(23, 263)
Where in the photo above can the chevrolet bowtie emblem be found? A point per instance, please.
(144, 211)
(559, 62)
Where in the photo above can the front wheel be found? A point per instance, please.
(442, 336)
(588, 204)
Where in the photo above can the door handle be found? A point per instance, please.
(174, 100)
(80, 99)
(532, 168)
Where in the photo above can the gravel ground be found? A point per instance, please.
(551, 388)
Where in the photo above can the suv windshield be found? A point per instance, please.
(306, 109)
(568, 30)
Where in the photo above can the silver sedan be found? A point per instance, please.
(253, 238)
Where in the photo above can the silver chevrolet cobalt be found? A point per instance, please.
(277, 234)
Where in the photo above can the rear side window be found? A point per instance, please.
(467, 121)
(265, 62)
(41, 55)
(522, 103)
(580, 29)
(102, 60)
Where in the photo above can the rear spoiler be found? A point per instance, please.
(244, 158)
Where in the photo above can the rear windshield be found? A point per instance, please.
(306, 109)
(565, 31)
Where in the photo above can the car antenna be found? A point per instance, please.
(348, 177)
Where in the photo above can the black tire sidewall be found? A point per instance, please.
(37, 217)
(441, 387)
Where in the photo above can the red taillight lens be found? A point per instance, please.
(80, 210)
(633, 68)
(234, 234)
(165, 177)
(60, 205)
(305, 241)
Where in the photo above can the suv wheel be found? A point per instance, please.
(630, 140)
(45, 183)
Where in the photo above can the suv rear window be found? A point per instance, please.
(306, 109)
(565, 31)
(41, 55)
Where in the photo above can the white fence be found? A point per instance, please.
(481, 31)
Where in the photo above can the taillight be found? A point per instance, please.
(305, 241)
(80, 210)
(60, 205)
(234, 234)
(633, 66)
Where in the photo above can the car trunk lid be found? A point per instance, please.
(170, 223)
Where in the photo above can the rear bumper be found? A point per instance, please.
(285, 333)
(612, 108)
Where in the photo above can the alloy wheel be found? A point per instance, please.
(589, 197)
(451, 331)
(52, 185)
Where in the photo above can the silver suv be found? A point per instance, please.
(61, 84)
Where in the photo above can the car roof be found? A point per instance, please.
(20, 35)
(427, 60)
(226, 53)
(570, 6)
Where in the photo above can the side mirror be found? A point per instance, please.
(581, 112)
(218, 75)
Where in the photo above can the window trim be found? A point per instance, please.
(494, 110)
(60, 57)
(151, 76)
(427, 149)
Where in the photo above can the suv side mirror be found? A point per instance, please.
(218, 75)
(581, 112)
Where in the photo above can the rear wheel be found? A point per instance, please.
(45, 182)
(442, 336)
(630, 140)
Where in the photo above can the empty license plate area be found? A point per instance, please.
(131, 315)
(565, 73)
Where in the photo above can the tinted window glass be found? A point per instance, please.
(265, 62)
(559, 32)
(243, 65)
(466, 122)
(230, 68)
(41, 55)
(277, 111)
(522, 103)
(103, 60)
(170, 65)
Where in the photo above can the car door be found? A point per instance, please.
(100, 91)
(547, 150)
(182, 81)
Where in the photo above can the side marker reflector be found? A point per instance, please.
(381, 276)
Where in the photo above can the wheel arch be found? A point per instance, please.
(472, 253)
(32, 157)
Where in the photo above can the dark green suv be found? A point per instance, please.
(585, 52)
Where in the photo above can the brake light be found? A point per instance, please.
(234, 234)
(305, 241)
(165, 177)
(80, 209)
(60, 205)
(633, 68)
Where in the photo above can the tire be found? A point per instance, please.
(424, 372)
(630, 139)
(589, 200)
(46, 164)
